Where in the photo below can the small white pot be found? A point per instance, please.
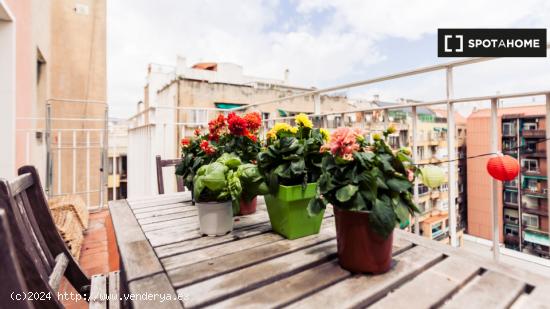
(215, 218)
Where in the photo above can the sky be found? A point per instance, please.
(322, 42)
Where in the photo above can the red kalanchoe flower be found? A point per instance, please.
(216, 127)
(207, 148)
(252, 137)
(197, 132)
(185, 142)
(237, 125)
(253, 121)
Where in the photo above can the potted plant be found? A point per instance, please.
(216, 185)
(369, 186)
(291, 165)
(195, 152)
(238, 135)
(252, 184)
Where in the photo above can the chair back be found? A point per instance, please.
(12, 282)
(43, 255)
(160, 177)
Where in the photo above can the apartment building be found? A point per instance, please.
(53, 92)
(432, 149)
(181, 98)
(523, 210)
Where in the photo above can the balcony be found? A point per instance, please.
(533, 172)
(511, 239)
(534, 153)
(536, 193)
(539, 210)
(533, 133)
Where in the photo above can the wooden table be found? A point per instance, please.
(162, 252)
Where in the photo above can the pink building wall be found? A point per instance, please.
(25, 64)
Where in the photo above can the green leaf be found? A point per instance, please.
(382, 218)
(315, 206)
(402, 212)
(345, 193)
(398, 185)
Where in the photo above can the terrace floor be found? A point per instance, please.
(98, 254)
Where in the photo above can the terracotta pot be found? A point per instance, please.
(360, 249)
(247, 208)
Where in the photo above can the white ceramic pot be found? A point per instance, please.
(215, 218)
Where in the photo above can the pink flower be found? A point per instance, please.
(343, 143)
(410, 175)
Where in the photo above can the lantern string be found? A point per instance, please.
(483, 154)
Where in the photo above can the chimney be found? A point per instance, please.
(287, 73)
(376, 98)
(181, 65)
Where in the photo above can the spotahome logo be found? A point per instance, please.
(491, 42)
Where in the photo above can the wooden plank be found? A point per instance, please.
(21, 183)
(98, 292)
(182, 206)
(518, 273)
(162, 218)
(186, 211)
(154, 285)
(289, 289)
(137, 255)
(194, 243)
(539, 298)
(363, 290)
(159, 199)
(190, 231)
(255, 276)
(187, 220)
(61, 263)
(212, 252)
(491, 290)
(114, 290)
(433, 285)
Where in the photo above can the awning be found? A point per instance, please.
(282, 113)
(537, 238)
(227, 105)
(534, 177)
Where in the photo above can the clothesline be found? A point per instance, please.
(482, 155)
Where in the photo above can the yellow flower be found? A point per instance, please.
(325, 134)
(303, 120)
(392, 129)
(376, 136)
(281, 126)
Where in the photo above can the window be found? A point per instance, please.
(508, 129)
(531, 165)
(511, 230)
(530, 126)
(265, 116)
(511, 197)
(531, 221)
(511, 216)
(532, 184)
(512, 183)
(420, 153)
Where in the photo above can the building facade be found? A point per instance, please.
(523, 210)
(53, 60)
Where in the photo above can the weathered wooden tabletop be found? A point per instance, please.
(162, 255)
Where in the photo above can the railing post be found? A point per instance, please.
(547, 127)
(494, 183)
(451, 150)
(49, 159)
(316, 104)
(415, 160)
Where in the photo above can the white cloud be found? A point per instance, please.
(266, 40)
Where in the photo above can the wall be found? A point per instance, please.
(479, 182)
(8, 87)
(77, 71)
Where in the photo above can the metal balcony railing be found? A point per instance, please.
(141, 131)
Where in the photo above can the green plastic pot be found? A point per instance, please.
(288, 211)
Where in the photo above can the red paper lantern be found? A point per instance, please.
(503, 168)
